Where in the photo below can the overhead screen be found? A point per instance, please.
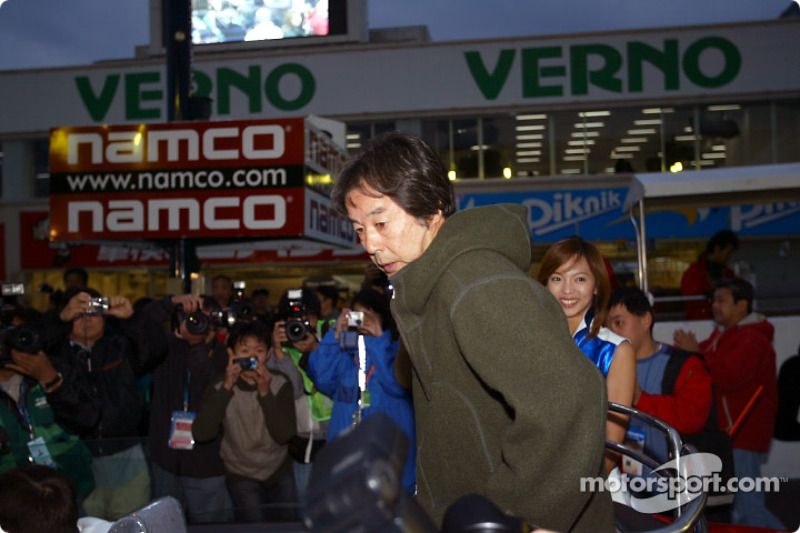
(232, 24)
(221, 21)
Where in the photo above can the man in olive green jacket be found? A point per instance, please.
(507, 406)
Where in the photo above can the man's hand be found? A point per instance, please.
(685, 340)
(278, 338)
(120, 307)
(263, 377)
(77, 305)
(189, 302)
(231, 375)
(35, 365)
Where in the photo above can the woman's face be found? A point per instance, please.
(574, 287)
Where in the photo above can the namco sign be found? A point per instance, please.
(159, 146)
(213, 216)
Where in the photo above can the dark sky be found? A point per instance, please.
(48, 33)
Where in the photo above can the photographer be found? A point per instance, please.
(361, 388)
(99, 346)
(191, 472)
(29, 388)
(295, 335)
(251, 406)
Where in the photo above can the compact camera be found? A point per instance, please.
(247, 363)
(97, 306)
(297, 328)
(348, 339)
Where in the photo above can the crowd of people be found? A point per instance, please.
(499, 381)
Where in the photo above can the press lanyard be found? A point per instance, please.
(22, 406)
(186, 391)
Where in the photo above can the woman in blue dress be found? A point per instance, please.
(574, 272)
(340, 373)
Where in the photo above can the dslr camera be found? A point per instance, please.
(241, 308)
(348, 339)
(197, 323)
(27, 337)
(296, 326)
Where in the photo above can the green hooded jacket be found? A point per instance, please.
(507, 406)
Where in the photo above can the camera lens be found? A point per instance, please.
(197, 323)
(296, 330)
(25, 339)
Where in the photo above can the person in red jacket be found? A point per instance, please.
(741, 358)
(687, 404)
(709, 267)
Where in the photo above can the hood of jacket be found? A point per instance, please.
(759, 323)
(501, 228)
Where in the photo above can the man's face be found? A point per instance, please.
(724, 255)
(391, 236)
(725, 312)
(250, 346)
(87, 328)
(633, 327)
(221, 290)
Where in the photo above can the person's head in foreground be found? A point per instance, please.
(36, 499)
(397, 195)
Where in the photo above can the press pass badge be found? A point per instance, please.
(39, 452)
(635, 439)
(180, 431)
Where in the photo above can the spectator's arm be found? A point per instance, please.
(279, 413)
(209, 418)
(324, 363)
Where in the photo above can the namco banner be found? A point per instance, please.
(175, 214)
(178, 145)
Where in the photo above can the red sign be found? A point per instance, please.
(177, 145)
(175, 214)
(200, 180)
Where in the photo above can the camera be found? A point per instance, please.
(97, 306)
(247, 363)
(241, 308)
(27, 337)
(348, 339)
(297, 328)
(197, 323)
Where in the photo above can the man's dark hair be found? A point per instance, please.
(740, 290)
(309, 300)
(242, 330)
(328, 291)
(404, 168)
(77, 271)
(634, 300)
(36, 498)
(259, 291)
(722, 239)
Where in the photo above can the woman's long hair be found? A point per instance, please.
(572, 249)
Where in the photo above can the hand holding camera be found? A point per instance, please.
(84, 303)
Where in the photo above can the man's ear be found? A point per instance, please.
(648, 319)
